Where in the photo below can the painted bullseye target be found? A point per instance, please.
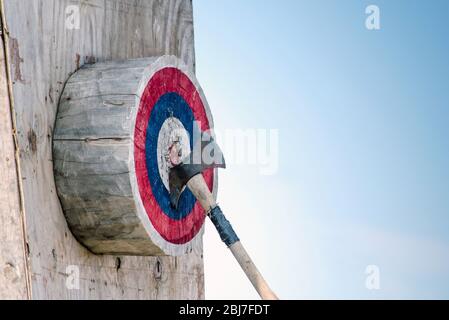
(120, 127)
(169, 109)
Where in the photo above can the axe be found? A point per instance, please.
(188, 172)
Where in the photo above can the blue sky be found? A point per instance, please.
(364, 150)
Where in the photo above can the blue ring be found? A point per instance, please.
(169, 105)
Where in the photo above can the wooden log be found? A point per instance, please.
(43, 55)
(96, 167)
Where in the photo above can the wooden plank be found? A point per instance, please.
(44, 54)
(13, 283)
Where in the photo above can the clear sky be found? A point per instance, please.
(363, 120)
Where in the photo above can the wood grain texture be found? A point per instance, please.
(13, 284)
(44, 53)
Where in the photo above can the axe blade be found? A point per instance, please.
(195, 163)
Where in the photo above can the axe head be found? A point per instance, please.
(205, 154)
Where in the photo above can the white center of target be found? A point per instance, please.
(173, 138)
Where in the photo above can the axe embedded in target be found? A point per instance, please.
(142, 180)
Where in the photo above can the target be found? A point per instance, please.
(170, 107)
(119, 124)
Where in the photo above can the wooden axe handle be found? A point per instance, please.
(201, 191)
(252, 272)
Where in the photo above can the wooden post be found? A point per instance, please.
(14, 280)
(45, 48)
